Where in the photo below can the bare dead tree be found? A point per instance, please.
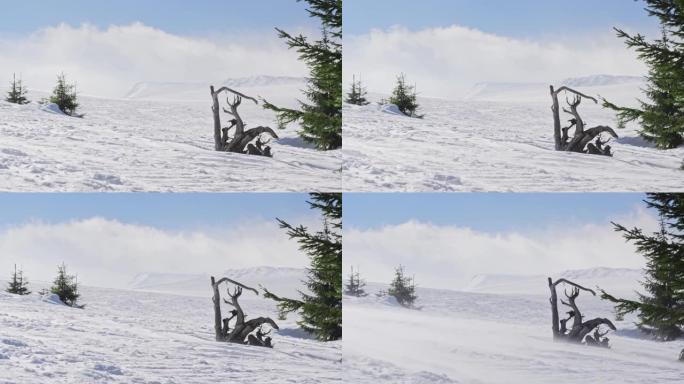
(579, 330)
(241, 333)
(581, 141)
(241, 140)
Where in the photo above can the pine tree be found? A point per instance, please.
(661, 309)
(19, 284)
(403, 288)
(64, 95)
(662, 116)
(355, 285)
(65, 286)
(321, 310)
(357, 94)
(17, 92)
(404, 97)
(321, 118)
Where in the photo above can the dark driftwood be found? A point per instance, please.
(241, 331)
(581, 141)
(580, 330)
(240, 141)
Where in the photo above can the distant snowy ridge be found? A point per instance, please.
(600, 80)
(148, 90)
(610, 85)
(285, 281)
(621, 281)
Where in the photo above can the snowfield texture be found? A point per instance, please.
(158, 138)
(142, 337)
(465, 337)
(500, 138)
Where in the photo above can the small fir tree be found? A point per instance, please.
(355, 284)
(321, 311)
(321, 118)
(18, 285)
(403, 288)
(404, 97)
(662, 116)
(64, 95)
(17, 92)
(661, 309)
(357, 94)
(65, 286)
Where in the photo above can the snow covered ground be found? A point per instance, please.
(129, 336)
(466, 337)
(158, 138)
(499, 138)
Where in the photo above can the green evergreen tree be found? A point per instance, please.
(65, 286)
(321, 310)
(662, 116)
(357, 94)
(403, 288)
(404, 97)
(64, 95)
(321, 118)
(19, 284)
(17, 92)
(661, 309)
(355, 285)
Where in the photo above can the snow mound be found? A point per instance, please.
(52, 108)
(52, 298)
(391, 109)
(620, 281)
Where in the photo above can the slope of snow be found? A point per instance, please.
(282, 281)
(618, 281)
(501, 145)
(142, 337)
(461, 337)
(164, 143)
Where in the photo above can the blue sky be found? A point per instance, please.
(487, 212)
(515, 18)
(163, 211)
(184, 17)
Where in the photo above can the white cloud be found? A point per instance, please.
(448, 256)
(108, 62)
(446, 62)
(109, 253)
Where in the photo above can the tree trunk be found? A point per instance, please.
(241, 138)
(581, 140)
(579, 329)
(242, 329)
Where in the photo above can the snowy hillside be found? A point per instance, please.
(619, 281)
(462, 337)
(160, 138)
(282, 281)
(142, 337)
(499, 138)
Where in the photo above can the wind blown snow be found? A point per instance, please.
(140, 337)
(463, 337)
(157, 140)
(500, 139)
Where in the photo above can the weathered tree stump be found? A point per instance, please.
(581, 142)
(241, 331)
(579, 332)
(241, 139)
